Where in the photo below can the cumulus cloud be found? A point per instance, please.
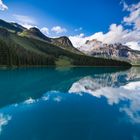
(25, 21)
(118, 33)
(134, 15)
(134, 45)
(58, 29)
(3, 7)
(78, 40)
(45, 30)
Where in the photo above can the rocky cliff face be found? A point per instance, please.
(24, 47)
(65, 43)
(114, 51)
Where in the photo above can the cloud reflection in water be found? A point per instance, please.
(114, 95)
(4, 119)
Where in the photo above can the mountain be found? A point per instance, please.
(115, 51)
(13, 27)
(64, 43)
(25, 47)
(34, 33)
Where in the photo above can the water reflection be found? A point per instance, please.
(76, 103)
(118, 87)
(4, 119)
(17, 85)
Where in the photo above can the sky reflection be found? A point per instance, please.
(114, 95)
(90, 105)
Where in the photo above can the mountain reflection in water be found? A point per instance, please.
(75, 103)
(114, 91)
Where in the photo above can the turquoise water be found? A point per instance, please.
(70, 104)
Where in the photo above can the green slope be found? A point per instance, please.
(31, 47)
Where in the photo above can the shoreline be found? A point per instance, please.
(54, 66)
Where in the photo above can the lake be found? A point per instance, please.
(80, 103)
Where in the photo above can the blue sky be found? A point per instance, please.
(69, 17)
(91, 15)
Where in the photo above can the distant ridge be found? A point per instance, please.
(29, 47)
(112, 51)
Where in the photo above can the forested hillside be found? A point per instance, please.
(23, 47)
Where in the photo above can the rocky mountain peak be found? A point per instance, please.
(36, 33)
(34, 29)
(64, 41)
(114, 51)
(93, 41)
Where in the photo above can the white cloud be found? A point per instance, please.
(78, 29)
(131, 7)
(4, 119)
(78, 40)
(3, 7)
(134, 15)
(58, 30)
(134, 45)
(45, 30)
(25, 21)
(118, 33)
(125, 5)
(28, 26)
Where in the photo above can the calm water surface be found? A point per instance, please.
(70, 104)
